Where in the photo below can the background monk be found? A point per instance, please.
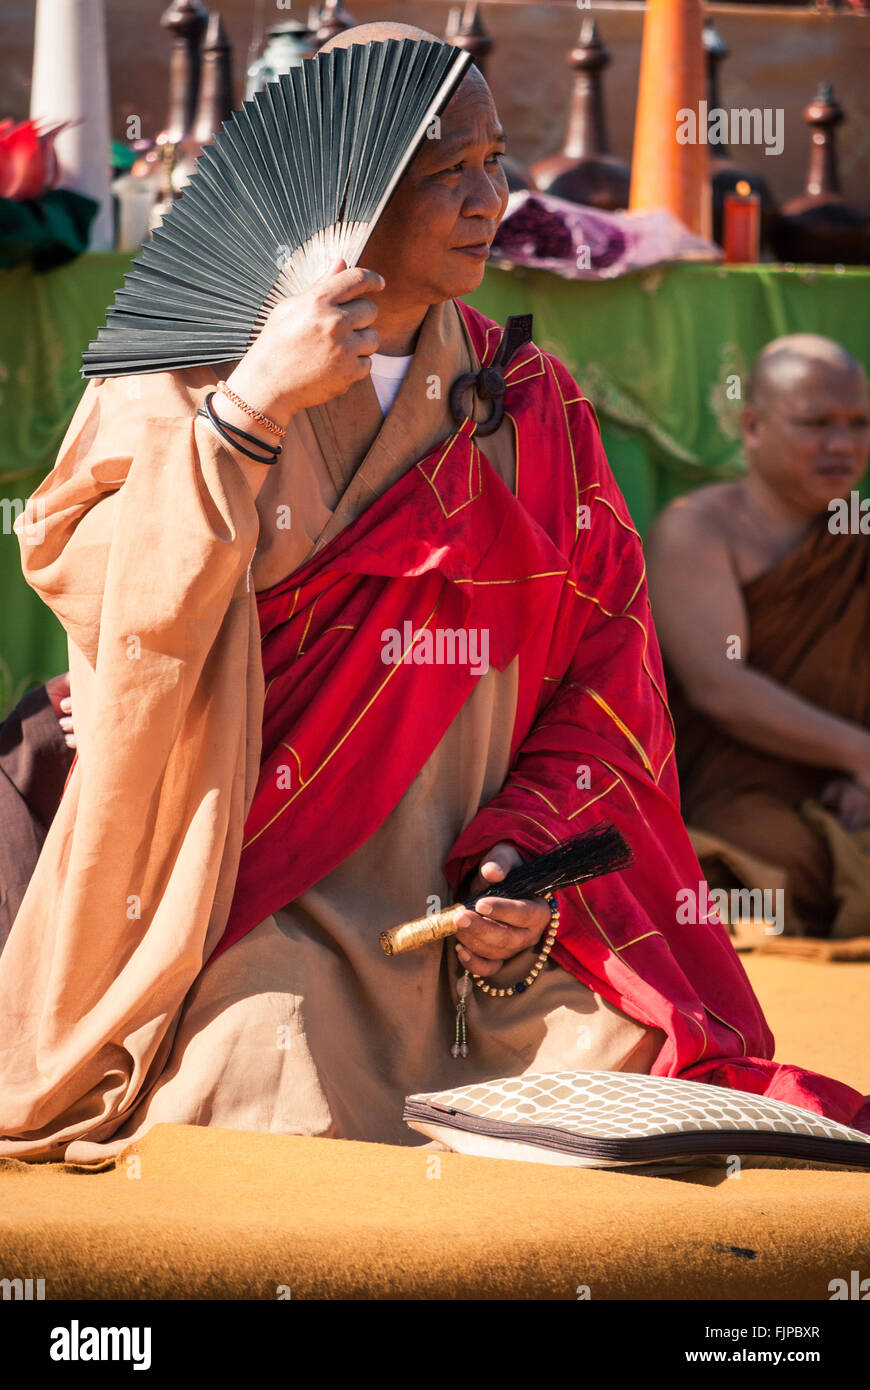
(260, 790)
(763, 609)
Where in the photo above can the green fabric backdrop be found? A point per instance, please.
(658, 352)
(46, 322)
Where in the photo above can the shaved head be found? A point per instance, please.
(381, 30)
(784, 363)
(806, 423)
(375, 33)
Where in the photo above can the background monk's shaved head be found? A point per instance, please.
(806, 423)
(785, 362)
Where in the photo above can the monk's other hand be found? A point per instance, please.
(66, 723)
(313, 346)
(849, 801)
(498, 928)
(57, 690)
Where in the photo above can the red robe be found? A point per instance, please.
(556, 576)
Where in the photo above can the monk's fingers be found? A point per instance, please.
(501, 859)
(848, 800)
(855, 809)
(478, 965)
(832, 792)
(66, 723)
(531, 913)
(493, 940)
(495, 866)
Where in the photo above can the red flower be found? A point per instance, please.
(28, 163)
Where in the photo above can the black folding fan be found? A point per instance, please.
(294, 179)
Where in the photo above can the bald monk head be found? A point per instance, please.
(431, 241)
(806, 424)
(429, 245)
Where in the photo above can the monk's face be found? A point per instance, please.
(809, 439)
(430, 242)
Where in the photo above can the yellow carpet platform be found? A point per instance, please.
(190, 1213)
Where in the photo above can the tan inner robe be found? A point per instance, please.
(304, 1026)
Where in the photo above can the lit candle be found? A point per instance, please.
(742, 225)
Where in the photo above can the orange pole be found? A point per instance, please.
(666, 173)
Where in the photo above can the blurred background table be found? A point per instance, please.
(664, 385)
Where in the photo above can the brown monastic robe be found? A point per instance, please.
(755, 815)
(303, 1026)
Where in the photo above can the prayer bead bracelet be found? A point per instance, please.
(522, 985)
(251, 410)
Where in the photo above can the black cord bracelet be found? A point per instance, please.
(223, 431)
(222, 426)
(237, 429)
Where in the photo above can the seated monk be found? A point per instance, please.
(762, 602)
(263, 784)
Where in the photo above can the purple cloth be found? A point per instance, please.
(581, 243)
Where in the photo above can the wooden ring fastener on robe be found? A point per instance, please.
(489, 383)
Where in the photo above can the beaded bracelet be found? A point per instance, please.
(464, 983)
(251, 410)
(223, 426)
(522, 985)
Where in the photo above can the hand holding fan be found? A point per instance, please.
(294, 180)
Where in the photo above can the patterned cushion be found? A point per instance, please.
(616, 1119)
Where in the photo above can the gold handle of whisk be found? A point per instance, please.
(411, 935)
